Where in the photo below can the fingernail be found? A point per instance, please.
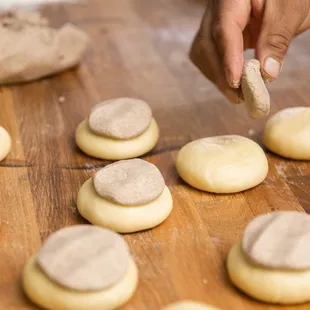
(229, 78)
(272, 67)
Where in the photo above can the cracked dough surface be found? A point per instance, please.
(254, 90)
(189, 305)
(123, 219)
(222, 164)
(49, 295)
(5, 143)
(287, 133)
(268, 285)
(112, 149)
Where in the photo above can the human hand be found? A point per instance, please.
(231, 26)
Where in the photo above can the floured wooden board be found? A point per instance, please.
(140, 50)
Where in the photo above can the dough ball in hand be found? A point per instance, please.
(222, 164)
(255, 93)
(32, 50)
(287, 133)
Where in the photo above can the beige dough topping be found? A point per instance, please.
(31, 50)
(254, 90)
(279, 240)
(122, 118)
(129, 182)
(84, 257)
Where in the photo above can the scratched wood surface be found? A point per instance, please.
(139, 48)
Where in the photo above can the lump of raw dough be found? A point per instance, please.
(189, 305)
(271, 263)
(254, 90)
(117, 129)
(5, 143)
(287, 133)
(129, 182)
(222, 164)
(133, 197)
(31, 50)
(80, 268)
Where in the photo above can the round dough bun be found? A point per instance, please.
(268, 285)
(123, 219)
(112, 149)
(222, 164)
(49, 295)
(287, 133)
(5, 143)
(188, 305)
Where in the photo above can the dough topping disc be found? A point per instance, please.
(84, 257)
(279, 240)
(122, 118)
(129, 182)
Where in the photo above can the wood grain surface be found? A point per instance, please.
(139, 48)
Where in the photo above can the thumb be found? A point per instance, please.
(277, 31)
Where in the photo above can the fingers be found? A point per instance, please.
(227, 29)
(280, 23)
(205, 56)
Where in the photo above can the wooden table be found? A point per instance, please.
(139, 48)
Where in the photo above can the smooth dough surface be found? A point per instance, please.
(112, 149)
(268, 285)
(189, 305)
(222, 164)
(5, 143)
(123, 219)
(49, 295)
(287, 133)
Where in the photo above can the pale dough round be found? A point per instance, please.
(287, 133)
(188, 305)
(49, 295)
(112, 149)
(222, 164)
(268, 285)
(5, 143)
(123, 219)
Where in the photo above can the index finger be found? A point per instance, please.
(229, 23)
